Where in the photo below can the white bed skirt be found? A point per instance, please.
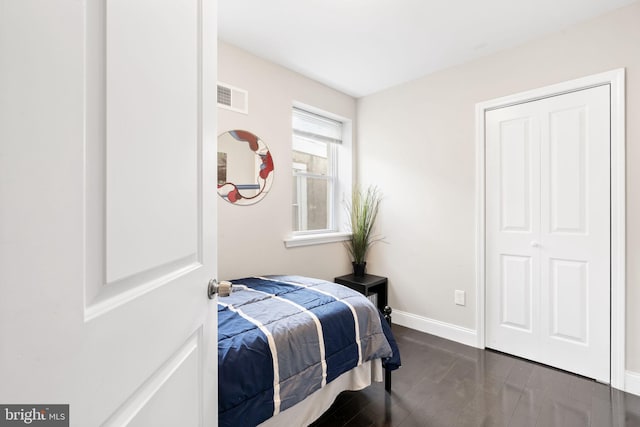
(311, 408)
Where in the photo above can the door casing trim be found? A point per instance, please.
(616, 80)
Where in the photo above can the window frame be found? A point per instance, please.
(340, 176)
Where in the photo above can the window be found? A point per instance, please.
(317, 145)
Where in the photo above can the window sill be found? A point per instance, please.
(315, 239)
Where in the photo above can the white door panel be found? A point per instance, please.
(152, 216)
(512, 268)
(515, 176)
(568, 288)
(515, 288)
(567, 168)
(117, 291)
(548, 231)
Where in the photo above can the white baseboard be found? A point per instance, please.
(435, 327)
(632, 382)
(469, 337)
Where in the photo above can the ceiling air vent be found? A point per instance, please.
(233, 98)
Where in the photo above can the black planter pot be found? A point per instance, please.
(358, 269)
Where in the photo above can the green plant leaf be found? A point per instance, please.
(363, 211)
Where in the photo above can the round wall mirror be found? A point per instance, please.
(245, 167)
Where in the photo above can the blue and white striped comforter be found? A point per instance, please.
(287, 336)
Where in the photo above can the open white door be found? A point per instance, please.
(107, 209)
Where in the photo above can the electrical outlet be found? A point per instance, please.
(460, 297)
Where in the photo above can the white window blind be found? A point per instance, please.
(316, 128)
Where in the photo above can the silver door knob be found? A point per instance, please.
(212, 288)
(222, 289)
(535, 244)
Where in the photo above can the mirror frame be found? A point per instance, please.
(232, 192)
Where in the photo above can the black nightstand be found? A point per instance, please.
(367, 285)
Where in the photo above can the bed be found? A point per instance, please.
(288, 345)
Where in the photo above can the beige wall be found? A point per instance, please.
(250, 238)
(416, 141)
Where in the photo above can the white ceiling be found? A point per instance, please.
(362, 46)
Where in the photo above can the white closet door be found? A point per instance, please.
(548, 231)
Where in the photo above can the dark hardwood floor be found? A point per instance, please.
(443, 383)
